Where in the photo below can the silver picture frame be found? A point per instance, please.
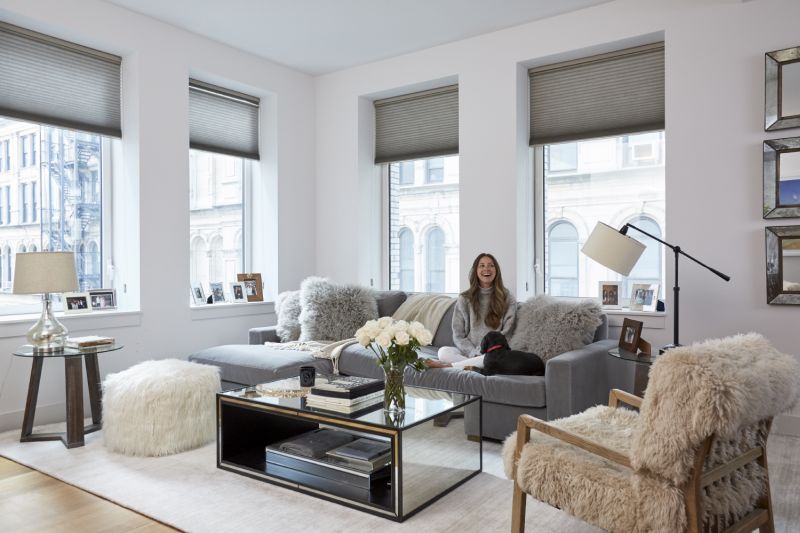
(778, 203)
(780, 83)
(783, 245)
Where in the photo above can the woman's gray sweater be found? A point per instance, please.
(469, 328)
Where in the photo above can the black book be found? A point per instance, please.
(348, 387)
(327, 468)
(315, 443)
(330, 486)
(363, 449)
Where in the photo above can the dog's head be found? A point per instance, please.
(492, 340)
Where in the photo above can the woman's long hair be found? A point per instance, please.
(498, 303)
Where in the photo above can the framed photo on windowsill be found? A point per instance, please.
(217, 291)
(253, 286)
(198, 294)
(77, 302)
(610, 294)
(238, 292)
(103, 299)
(644, 296)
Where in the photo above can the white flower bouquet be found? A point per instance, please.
(395, 342)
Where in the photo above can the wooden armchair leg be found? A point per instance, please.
(518, 510)
(765, 502)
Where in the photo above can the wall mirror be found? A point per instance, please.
(782, 178)
(782, 85)
(783, 264)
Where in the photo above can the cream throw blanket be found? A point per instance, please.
(428, 309)
(318, 349)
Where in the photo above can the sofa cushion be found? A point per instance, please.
(548, 326)
(389, 301)
(526, 391)
(333, 312)
(251, 364)
(287, 307)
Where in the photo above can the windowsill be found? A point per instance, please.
(231, 309)
(650, 319)
(18, 325)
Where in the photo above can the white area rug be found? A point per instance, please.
(188, 492)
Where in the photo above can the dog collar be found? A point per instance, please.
(493, 348)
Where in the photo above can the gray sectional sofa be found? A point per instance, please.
(572, 382)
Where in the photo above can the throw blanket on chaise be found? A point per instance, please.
(319, 349)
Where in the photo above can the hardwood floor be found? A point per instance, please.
(34, 502)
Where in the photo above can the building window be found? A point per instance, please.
(406, 260)
(5, 155)
(562, 260)
(406, 173)
(216, 215)
(434, 170)
(51, 198)
(561, 157)
(434, 261)
(603, 187)
(418, 206)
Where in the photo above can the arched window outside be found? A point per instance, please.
(648, 267)
(406, 260)
(435, 260)
(562, 260)
(217, 266)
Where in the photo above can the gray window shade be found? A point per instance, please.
(417, 125)
(56, 82)
(612, 94)
(222, 120)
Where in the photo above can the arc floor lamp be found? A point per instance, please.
(616, 250)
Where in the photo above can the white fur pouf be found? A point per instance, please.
(160, 407)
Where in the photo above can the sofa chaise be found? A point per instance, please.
(573, 381)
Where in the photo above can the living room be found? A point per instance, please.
(317, 205)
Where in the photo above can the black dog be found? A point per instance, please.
(500, 359)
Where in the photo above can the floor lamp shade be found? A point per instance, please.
(43, 272)
(612, 249)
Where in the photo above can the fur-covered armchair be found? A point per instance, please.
(692, 459)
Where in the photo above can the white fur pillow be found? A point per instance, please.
(333, 312)
(287, 307)
(548, 327)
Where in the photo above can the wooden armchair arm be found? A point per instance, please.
(616, 396)
(526, 422)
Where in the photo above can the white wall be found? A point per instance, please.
(714, 130)
(154, 192)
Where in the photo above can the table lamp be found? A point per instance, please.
(44, 273)
(615, 250)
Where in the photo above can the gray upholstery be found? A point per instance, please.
(573, 380)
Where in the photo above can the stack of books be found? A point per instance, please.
(365, 455)
(299, 458)
(346, 394)
(89, 341)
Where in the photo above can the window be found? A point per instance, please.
(435, 270)
(418, 206)
(562, 257)
(434, 170)
(5, 156)
(28, 150)
(603, 187)
(406, 260)
(407, 173)
(64, 218)
(562, 157)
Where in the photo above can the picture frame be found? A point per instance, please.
(644, 296)
(610, 293)
(103, 299)
(217, 290)
(783, 264)
(198, 294)
(76, 303)
(781, 162)
(781, 89)
(238, 293)
(254, 288)
(630, 334)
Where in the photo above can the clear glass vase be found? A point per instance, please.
(394, 393)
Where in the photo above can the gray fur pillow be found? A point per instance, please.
(333, 312)
(548, 326)
(287, 307)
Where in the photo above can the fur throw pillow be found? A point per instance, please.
(548, 326)
(287, 307)
(333, 312)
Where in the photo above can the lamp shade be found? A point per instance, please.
(43, 272)
(612, 249)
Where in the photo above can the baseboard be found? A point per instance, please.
(787, 425)
(45, 414)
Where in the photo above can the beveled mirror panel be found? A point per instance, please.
(782, 178)
(782, 86)
(783, 264)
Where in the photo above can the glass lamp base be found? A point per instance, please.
(48, 334)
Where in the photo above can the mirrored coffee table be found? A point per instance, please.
(427, 461)
(73, 370)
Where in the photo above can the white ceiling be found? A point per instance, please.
(320, 36)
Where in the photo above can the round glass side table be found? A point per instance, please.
(642, 370)
(73, 363)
